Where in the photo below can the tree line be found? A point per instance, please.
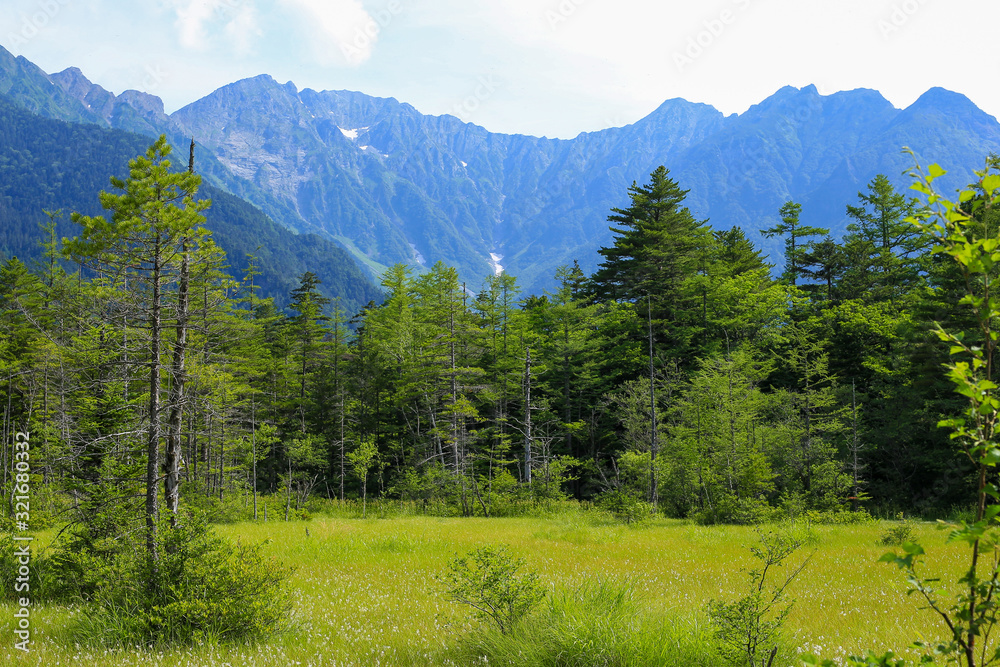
(681, 374)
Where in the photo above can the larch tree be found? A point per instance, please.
(656, 261)
(154, 231)
(795, 235)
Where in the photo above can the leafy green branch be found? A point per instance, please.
(961, 230)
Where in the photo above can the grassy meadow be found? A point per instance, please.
(364, 591)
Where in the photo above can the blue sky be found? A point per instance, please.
(543, 67)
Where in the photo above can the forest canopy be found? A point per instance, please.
(681, 374)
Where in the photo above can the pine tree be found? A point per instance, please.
(795, 234)
(656, 262)
(156, 225)
(887, 246)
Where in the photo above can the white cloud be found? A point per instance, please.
(341, 30)
(610, 62)
(191, 18)
(196, 20)
(562, 65)
(243, 29)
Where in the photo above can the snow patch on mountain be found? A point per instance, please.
(351, 134)
(495, 261)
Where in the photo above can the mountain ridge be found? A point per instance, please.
(49, 165)
(393, 185)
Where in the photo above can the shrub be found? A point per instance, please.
(597, 623)
(739, 511)
(839, 517)
(752, 623)
(488, 580)
(203, 589)
(895, 535)
(624, 506)
(235, 506)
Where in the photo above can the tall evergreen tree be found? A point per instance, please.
(308, 329)
(156, 226)
(887, 246)
(795, 235)
(656, 260)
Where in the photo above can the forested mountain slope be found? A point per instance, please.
(394, 185)
(47, 164)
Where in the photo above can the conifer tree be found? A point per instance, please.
(794, 234)
(886, 244)
(656, 260)
(308, 330)
(155, 224)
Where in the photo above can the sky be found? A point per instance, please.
(542, 67)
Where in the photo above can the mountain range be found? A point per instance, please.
(390, 184)
(49, 165)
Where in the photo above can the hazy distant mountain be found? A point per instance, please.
(49, 165)
(394, 185)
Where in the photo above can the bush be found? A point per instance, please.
(233, 508)
(752, 624)
(203, 589)
(624, 506)
(839, 517)
(739, 511)
(598, 623)
(895, 535)
(487, 579)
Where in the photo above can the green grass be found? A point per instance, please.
(364, 592)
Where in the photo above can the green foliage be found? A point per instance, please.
(739, 511)
(232, 508)
(490, 580)
(625, 506)
(971, 615)
(748, 629)
(970, 612)
(839, 517)
(204, 590)
(870, 659)
(597, 623)
(899, 533)
(362, 460)
(886, 247)
(658, 261)
(794, 233)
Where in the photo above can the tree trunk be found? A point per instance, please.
(153, 438)
(171, 482)
(653, 491)
(527, 415)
